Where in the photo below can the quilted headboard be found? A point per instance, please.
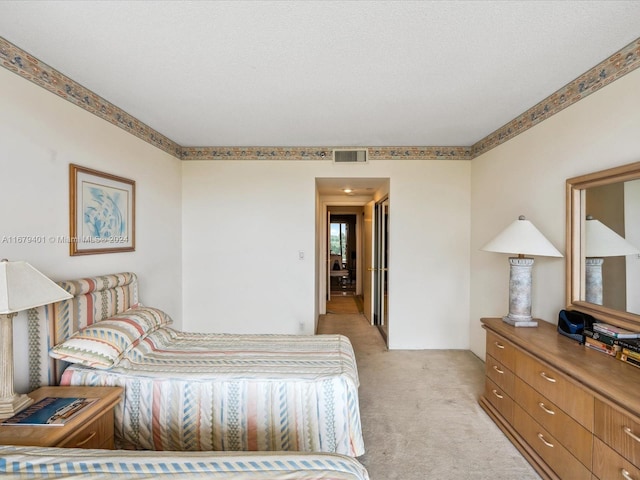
(94, 299)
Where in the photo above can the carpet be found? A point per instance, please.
(420, 413)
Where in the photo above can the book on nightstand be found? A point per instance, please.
(50, 411)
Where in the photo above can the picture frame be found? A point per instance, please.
(101, 212)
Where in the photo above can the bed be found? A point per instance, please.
(38, 463)
(199, 391)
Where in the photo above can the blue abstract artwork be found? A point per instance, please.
(104, 211)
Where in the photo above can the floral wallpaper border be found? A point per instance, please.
(323, 153)
(30, 68)
(616, 66)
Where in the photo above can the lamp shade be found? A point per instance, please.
(601, 241)
(522, 238)
(23, 287)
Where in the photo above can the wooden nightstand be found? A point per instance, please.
(92, 428)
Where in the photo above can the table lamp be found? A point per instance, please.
(21, 287)
(521, 238)
(601, 241)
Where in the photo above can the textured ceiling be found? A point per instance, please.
(304, 73)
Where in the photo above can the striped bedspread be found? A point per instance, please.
(38, 463)
(223, 392)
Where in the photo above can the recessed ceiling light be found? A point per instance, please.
(347, 190)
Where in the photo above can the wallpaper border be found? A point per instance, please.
(30, 68)
(323, 153)
(616, 66)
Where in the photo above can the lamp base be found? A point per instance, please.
(531, 322)
(10, 406)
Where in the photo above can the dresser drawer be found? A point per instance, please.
(502, 350)
(573, 436)
(96, 434)
(618, 430)
(608, 465)
(558, 458)
(556, 387)
(499, 399)
(500, 375)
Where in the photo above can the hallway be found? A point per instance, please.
(341, 304)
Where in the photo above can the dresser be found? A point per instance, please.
(573, 413)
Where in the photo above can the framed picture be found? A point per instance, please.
(102, 212)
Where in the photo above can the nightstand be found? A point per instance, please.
(91, 428)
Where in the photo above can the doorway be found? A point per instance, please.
(343, 254)
(334, 204)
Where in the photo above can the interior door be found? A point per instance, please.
(328, 253)
(367, 262)
(381, 268)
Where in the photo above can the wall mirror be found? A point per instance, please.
(603, 245)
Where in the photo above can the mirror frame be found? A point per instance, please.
(575, 243)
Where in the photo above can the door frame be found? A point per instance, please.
(323, 263)
(380, 270)
(376, 188)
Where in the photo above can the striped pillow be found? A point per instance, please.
(103, 344)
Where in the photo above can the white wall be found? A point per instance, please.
(527, 175)
(245, 221)
(41, 134)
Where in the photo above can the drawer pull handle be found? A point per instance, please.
(550, 412)
(497, 369)
(499, 345)
(89, 437)
(628, 431)
(547, 378)
(626, 474)
(541, 437)
(495, 392)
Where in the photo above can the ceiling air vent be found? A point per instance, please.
(350, 155)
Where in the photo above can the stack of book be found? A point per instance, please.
(615, 341)
(630, 351)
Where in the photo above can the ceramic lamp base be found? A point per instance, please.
(520, 323)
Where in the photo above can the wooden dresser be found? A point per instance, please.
(574, 413)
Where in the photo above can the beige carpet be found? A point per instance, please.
(420, 416)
